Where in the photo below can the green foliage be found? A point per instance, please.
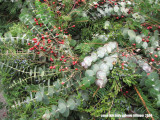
(42, 73)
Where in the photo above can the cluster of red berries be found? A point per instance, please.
(146, 39)
(149, 27)
(122, 65)
(49, 46)
(40, 24)
(119, 17)
(124, 93)
(78, 2)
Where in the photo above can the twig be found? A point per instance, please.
(142, 101)
(96, 92)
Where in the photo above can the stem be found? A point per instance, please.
(142, 101)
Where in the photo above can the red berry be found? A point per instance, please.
(147, 40)
(143, 40)
(62, 56)
(35, 46)
(117, 17)
(124, 94)
(65, 60)
(34, 39)
(122, 67)
(73, 63)
(38, 43)
(156, 56)
(73, 25)
(66, 68)
(61, 59)
(126, 91)
(62, 69)
(51, 59)
(148, 73)
(58, 12)
(115, 3)
(51, 67)
(62, 83)
(42, 37)
(29, 43)
(30, 49)
(54, 67)
(38, 52)
(152, 59)
(133, 44)
(35, 19)
(59, 28)
(76, 68)
(49, 41)
(51, 51)
(54, 2)
(122, 64)
(122, 16)
(41, 47)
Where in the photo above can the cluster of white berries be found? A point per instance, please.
(101, 52)
(101, 68)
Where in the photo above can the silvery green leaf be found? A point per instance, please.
(106, 10)
(116, 8)
(88, 60)
(46, 116)
(146, 67)
(138, 39)
(71, 104)
(28, 99)
(131, 34)
(123, 4)
(101, 49)
(94, 56)
(104, 67)
(50, 91)
(66, 113)
(85, 96)
(155, 44)
(144, 45)
(106, 24)
(54, 108)
(39, 96)
(101, 74)
(125, 59)
(100, 54)
(89, 73)
(95, 68)
(110, 9)
(109, 49)
(101, 11)
(61, 106)
(101, 82)
(78, 102)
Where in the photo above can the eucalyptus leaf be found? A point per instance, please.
(71, 104)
